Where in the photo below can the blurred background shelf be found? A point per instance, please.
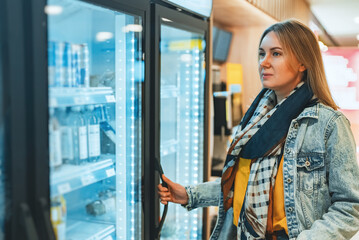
(63, 97)
(71, 177)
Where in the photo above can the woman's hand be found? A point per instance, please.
(175, 192)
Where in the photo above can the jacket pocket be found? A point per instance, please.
(310, 179)
(310, 172)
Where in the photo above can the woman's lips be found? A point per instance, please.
(266, 75)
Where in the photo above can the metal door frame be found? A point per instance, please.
(185, 21)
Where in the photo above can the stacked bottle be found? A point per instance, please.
(66, 136)
(93, 127)
(75, 135)
(79, 134)
(54, 141)
(68, 64)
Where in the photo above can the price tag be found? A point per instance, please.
(108, 238)
(110, 172)
(87, 179)
(110, 98)
(64, 188)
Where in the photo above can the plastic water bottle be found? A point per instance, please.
(93, 128)
(55, 140)
(67, 146)
(106, 126)
(98, 112)
(79, 133)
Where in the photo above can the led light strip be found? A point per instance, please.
(121, 182)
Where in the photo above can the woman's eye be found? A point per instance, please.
(261, 54)
(276, 54)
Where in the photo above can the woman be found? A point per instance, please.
(291, 170)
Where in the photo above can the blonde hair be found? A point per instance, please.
(300, 42)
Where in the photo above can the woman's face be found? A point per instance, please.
(278, 71)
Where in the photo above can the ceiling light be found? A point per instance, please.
(53, 9)
(104, 36)
(356, 20)
(166, 20)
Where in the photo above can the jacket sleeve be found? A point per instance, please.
(341, 221)
(203, 195)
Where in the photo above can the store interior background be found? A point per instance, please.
(235, 80)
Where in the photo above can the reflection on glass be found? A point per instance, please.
(95, 72)
(182, 110)
(203, 7)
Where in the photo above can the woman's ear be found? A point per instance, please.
(302, 68)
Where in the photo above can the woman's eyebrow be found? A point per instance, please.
(273, 48)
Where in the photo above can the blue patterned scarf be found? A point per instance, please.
(261, 137)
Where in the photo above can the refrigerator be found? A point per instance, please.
(95, 79)
(88, 106)
(181, 60)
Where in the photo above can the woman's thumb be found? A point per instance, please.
(164, 178)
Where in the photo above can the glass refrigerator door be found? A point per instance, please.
(182, 120)
(95, 74)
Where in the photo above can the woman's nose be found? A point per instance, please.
(265, 61)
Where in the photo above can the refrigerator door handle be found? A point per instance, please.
(45, 219)
(27, 222)
(164, 214)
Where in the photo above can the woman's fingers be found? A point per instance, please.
(164, 194)
(168, 199)
(169, 194)
(162, 188)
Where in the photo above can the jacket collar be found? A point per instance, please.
(275, 129)
(310, 112)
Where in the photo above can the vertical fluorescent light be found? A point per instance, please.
(122, 184)
(132, 135)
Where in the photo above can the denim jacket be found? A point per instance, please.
(320, 175)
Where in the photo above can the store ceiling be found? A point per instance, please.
(338, 19)
(232, 13)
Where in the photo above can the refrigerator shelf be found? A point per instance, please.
(63, 97)
(89, 230)
(71, 177)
